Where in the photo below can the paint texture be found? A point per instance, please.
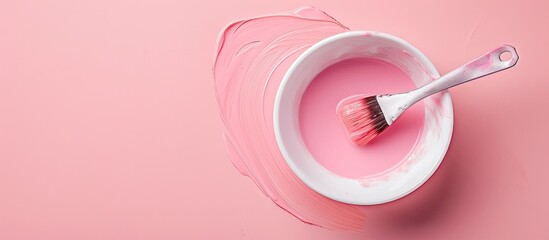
(253, 55)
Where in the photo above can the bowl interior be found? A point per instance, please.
(413, 171)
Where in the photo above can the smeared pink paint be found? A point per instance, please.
(253, 56)
(324, 135)
(481, 63)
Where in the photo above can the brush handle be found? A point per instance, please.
(489, 63)
(395, 104)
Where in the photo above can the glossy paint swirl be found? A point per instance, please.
(252, 57)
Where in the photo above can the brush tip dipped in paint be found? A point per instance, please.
(363, 119)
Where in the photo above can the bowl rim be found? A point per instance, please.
(416, 53)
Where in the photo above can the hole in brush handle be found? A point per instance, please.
(505, 56)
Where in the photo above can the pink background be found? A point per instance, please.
(109, 127)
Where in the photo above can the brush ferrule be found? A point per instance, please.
(393, 105)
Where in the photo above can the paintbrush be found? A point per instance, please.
(365, 118)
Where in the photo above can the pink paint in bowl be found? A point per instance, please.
(313, 141)
(323, 133)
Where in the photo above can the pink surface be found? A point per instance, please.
(109, 127)
(323, 131)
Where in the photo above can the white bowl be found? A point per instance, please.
(413, 171)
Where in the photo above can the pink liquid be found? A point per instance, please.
(324, 134)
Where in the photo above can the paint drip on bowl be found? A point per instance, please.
(252, 58)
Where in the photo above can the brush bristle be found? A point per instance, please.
(363, 119)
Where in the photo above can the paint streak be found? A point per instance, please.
(252, 57)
